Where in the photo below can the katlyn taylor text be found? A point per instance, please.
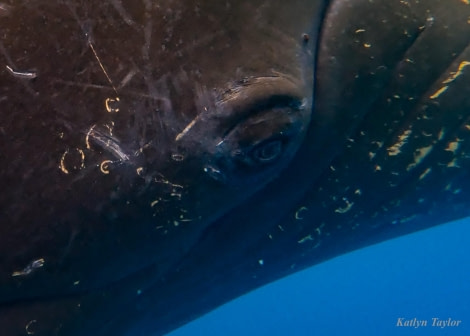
(435, 322)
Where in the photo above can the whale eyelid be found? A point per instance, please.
(258, 93)
(263, 104)
(276, 84)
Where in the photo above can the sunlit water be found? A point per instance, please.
(425, 275)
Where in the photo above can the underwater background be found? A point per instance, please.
(424, 275)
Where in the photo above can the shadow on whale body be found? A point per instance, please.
(161, 158)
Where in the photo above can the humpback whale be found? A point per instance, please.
(159, 158)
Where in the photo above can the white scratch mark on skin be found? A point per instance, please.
(453, 76)
(177, 157)
(298, 213)
(117, 4)
(110, 128)
(87, 137)
(442, 132)
(407, 219)
(127, 78)
(100, 63)
(22, 74)
(456, 74)
(10, 61)
(82, 155)
(419, 156)
(5, 9)
(28, 326)
(108, 143)
(176, 188)
(186, 129)
(92, 86)
(104, 166)
(346, 208)
(453, 164)
(147, 37)
(177, 195)
(35, 264)
(305, 239)
(425, 173)
(62, 163)
(453, 146)
(108, 104)
(395, 149)
(439, 92)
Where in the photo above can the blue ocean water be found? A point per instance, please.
(424, 275)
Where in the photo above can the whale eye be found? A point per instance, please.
(267, 151)
(262, 124)
(264, 139)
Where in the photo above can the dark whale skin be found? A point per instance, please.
(158, 159)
